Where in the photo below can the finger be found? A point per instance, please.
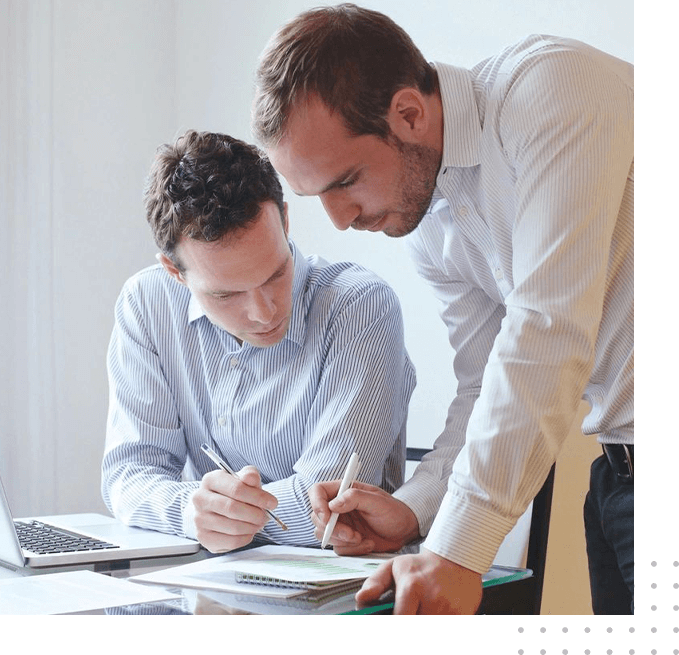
(319, 525)
(361, 497)
(229, 525)
(365, 547)
(343, 535)
(250, 475)
(374, 586)
(407, 599)
(232, 518)
(323, 497)
(354, 544)
(213, 509)
(217, 542)
(319, 495)
(229, 486)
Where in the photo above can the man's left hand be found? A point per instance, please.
(425, 584)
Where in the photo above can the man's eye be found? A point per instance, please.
(347, 183)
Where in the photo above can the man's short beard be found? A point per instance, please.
(419, 167)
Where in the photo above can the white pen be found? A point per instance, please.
(347, 481)
(225, 467)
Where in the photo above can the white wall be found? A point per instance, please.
(89, 89)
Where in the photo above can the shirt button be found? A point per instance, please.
(222, 421)
(462, 211)
(498, 274)
(234, 362)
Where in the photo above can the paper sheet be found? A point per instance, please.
(72, 591)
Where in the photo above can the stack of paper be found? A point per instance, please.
(277, 571)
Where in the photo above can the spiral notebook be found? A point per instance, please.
(301, 568)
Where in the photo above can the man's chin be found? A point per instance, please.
(402, 228)
(267, 340)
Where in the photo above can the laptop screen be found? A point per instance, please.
(10, 551)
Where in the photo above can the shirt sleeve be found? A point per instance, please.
(145, 449)
(361, 405)
(473, 321)
(566, 127)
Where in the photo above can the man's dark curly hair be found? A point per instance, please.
(205, 186)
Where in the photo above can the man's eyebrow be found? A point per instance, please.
(339, 179)
(277, 273)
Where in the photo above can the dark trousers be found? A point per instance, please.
(609, 532)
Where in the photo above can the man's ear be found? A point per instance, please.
(408, 115)
(171, 268)
(286, 224)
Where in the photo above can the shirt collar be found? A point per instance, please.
(461, 123)
(297, 319)
(297, 327)
(195, 310)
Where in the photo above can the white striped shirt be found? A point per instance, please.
(340, 381)
(528, 245)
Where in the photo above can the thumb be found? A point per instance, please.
(349, 501)
(362, 497)
(250, 476)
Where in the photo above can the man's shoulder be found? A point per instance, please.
(343, 279)
(150, 277)
(543, 50)
(152, 285)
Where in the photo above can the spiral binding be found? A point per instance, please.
(252, 578)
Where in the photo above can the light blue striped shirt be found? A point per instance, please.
(528, 245)
(340, 381)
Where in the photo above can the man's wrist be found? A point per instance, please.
(411, 525)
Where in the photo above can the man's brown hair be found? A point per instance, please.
(353, 59)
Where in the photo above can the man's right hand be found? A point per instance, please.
(229, 511)
(371, 520)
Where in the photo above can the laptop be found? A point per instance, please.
(80, 539)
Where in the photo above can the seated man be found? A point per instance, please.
(282, 362)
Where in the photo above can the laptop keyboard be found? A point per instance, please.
(43, 539)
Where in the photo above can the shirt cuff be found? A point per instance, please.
(423, 495)
(467, 534)
(188, 517)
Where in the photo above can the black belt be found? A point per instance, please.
(621, 458)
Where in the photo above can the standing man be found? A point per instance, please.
(514, 183)
(283, 364)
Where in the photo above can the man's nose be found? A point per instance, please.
(342, 213)
(261, 307)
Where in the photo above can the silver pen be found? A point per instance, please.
(225, 467)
